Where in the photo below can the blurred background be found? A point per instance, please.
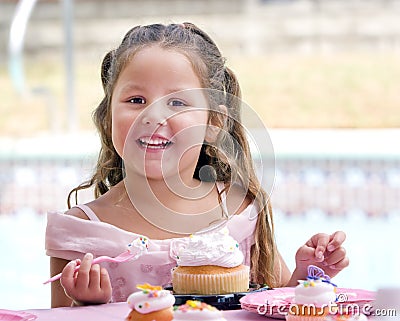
(323, 75)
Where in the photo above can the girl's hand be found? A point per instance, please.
(325, 251)
(89, 285)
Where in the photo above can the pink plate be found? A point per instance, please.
(9, 315)
(275, 303)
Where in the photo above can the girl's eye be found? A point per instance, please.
(137, 100)
(177, 103)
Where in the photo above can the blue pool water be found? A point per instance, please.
(372, 246)
(325, 181)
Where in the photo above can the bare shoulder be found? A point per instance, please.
(236, 199)
(97, 206)
(77, 212)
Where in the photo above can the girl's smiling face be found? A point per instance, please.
(159, 114)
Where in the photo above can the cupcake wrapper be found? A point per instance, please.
(185, 283)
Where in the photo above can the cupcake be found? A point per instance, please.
(195, 311)
(209, 263)
(314, 298)
(152, 303)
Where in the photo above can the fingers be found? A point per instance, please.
(337, 259)
(83, 277)
(67, 277)
(323, 250)
(340, 265)
(319, 243)
(89, 284)
(105, 283)
(320, 249)
(325, 244)
(94, 277)
(305, 253)
(336, 240)
(335, 256)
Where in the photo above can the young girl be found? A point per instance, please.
(174, 160)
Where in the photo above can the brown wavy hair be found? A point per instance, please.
(230, 157)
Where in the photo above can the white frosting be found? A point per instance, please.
(196, 315)
(150, 301)
(210, 248)
(314, 292)
(139, 245)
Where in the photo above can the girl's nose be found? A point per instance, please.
(147, 120)
(154, 115)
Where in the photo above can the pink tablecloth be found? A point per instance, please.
(118, 312)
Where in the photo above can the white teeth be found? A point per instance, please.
(154, 143)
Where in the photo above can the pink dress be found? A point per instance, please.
(69, 238)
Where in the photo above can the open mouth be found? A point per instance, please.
(154, 143)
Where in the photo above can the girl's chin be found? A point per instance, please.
(154, 177)
(150, 172)
(147, 174)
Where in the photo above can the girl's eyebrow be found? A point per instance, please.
(183, 89)
(127, 88)
(176, 90)
(131, 86)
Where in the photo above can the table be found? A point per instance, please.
(118, 312)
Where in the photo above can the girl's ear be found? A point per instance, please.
(216, 124)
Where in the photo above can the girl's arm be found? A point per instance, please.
(284, 273)
(58, 296)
